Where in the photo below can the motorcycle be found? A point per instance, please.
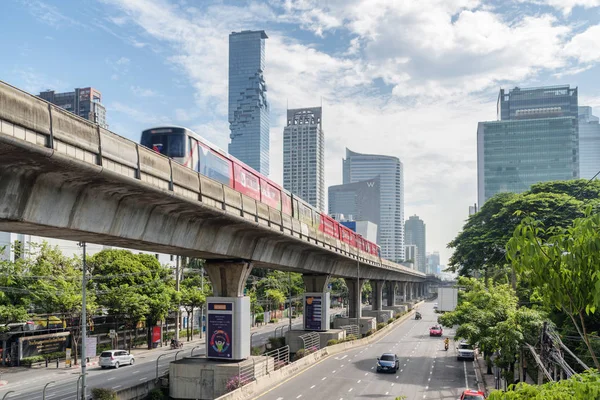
(418, 316)
(176, 345)
(446, 346)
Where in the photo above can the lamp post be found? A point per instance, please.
(83, 322)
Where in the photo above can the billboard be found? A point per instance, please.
(313, 312)
(220, 330)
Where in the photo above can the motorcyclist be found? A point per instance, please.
(446, 343)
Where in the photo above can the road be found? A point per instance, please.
(29, 385)
(427, 371)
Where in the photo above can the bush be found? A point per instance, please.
(332, 342)
(257, 350)
(369, 332)
(273, 321)
(350, 338)
(235, 383)
(276, 342)
(311, 349)
(260, 318)
(300, 354)
(105, 346)
(103, 394)
(390, 320)
(156, 394)
(28, 361)
(397, 315)
(381, 325)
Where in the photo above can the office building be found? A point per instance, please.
(304, 155)
(358, 201)
(411, 254)
(414, 233)
(366, 229)
(473, 209)
(589, 143)
(359, 167)
(535, 140)
(433, 262)
(248, 106)
(85, 102)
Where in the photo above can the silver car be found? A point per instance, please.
(115, 358)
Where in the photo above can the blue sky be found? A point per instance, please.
(405, 78)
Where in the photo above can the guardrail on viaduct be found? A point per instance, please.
(30, 119)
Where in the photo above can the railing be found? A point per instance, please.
(311, 341)
(351, 330)
(30, 119)
(280, 356)
(247, 372)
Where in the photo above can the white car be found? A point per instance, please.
(115, 358)
(465, 352)
(435, 306)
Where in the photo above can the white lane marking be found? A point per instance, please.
(143, 379)
(466, 379)
(386, 393)
(333, 372)
(116, 387)
(298, 396)
(342, 366)
(401, 370)
(280, 398)
(110, 379)
(366, 373)
(428, 379)
(358, 381)
(324, 378)
(349, 390)
(135, 372)
(341, 358)
(372, 367)
(397, 376)
(313, 386)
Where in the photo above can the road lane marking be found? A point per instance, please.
(110, 379)
(466, 379)
(298, 396)
(313, 386)
(333, 371)
(116, 387)
(349, 390)
(366, 373)
(135, 372)
(386, 393)
(397, 376)
(324, 378)
(392, 384)
(358, 381)
(342, 366)
(280, 398)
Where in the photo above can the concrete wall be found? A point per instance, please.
(139, 391)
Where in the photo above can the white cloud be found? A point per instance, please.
(48, 14)
(434, 58)
(143, 92)
(566, 6)
(585, 46)
(123, 61)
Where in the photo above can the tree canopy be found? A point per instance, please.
(579, 387)
(481, 245)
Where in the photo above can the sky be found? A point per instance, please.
(406, 78)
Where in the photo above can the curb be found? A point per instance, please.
(264, 384)
(481, 374)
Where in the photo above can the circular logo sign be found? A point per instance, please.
(220, 341)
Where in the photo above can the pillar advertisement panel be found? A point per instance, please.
(316, 311)
(228, 328)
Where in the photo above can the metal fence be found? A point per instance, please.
(352, 331)
(277, 358)
(311, 341)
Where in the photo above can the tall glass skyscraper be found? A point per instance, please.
(248, 106)
(362, 167)
(304, 155)
(535, 140)
(414, 234)
(589, 143)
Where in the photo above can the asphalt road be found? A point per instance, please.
(427, 371)
(144, 369)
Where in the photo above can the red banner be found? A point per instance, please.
(155, 334)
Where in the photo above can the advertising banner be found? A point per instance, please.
(43, 344)
(90, 346)
(156, 334)
(313, 312)
(220, 328)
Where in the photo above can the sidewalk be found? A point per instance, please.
(15, 374)
(489, 380)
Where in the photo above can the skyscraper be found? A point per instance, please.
(358, 201)
(433, 262)
(362, 167)
(414, 231)
(589, 143)
(304, 155)
(85, 102)
(535, 140)
(248, 106)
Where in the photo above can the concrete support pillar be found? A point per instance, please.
(377, 286)
(316, 283)
(409, 291)
(354, 297)
(228, 279)
(391, 293)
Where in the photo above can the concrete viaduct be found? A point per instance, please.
(62, 176)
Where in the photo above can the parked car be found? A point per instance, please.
(388, 362)
(472, 395)
(115, 358)
(436, 330)
(435, 306)
(465, 352)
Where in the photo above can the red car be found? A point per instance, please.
(435, 331)
(472, 395)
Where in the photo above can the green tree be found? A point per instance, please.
(275, 298)
(60, 291)
(489, 318)
(563, 263)
(134, 287)
(579, 387)
(192, 297)
(14, 296)
(480, 248)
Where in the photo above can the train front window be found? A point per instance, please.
(171, 145)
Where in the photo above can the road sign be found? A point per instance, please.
(112, 334)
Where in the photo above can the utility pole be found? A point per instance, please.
(201, 307)
(83, 322)
(177, 265)
(290, 295)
